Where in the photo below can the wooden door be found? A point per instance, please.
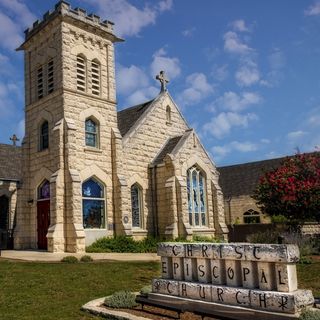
(4, 213)
(43, 220)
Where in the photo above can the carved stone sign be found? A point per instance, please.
(256, 276)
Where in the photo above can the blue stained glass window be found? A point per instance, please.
(92, 189)
(93, 204)
(91, 133)
(196, 197)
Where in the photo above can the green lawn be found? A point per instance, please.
(57, 291)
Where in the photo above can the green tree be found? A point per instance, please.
(292, 189)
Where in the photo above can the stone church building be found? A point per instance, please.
(86, 171)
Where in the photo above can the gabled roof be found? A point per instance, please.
(128, 117)
(10, 162)
(167, 148)
(241, 179)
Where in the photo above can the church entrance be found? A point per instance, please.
(43, 214)
(4, 219)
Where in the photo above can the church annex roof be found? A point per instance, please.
(10, 162)
(241, 179)
(128, 117)
(167, 148)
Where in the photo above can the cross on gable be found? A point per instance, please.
(14, 139)
(163, 80)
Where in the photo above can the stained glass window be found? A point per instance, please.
(44, 190)
(136, 206)
(44, 136)
(93, 205)
(91, 133)
(196, 197)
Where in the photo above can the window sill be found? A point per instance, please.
(169, 123)
(44, 151)
(137, 230)
(92, 149)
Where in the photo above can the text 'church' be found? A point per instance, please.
(85, 171)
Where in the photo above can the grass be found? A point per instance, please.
(48, 291)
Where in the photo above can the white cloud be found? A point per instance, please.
(220, 73)
(277, 59)
(295, 135)
(20, 129)
(130, 79)
(235, 102)
(313, 10)
(10, 33)
(265, 141)
(188, 32)
(198, 89)
(222, 124)
(142, 95)
(314, 117)
(128, 19)
(233, 44)
(247, 75)
(219, 152)
(20, 11)
(161, 61)
(240, 25)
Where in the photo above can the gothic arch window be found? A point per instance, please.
(168, 114)
(251, 216)
(136, 205)
(50, 76)
(92, 133)
(93, 204)
(196, 187)
(40, 80)
(95, 77)
(81, 73)
(44, 136)
(44, 190)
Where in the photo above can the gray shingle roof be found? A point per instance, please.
(128, 117)
(10, 162)
(241, 179)
(167, 148)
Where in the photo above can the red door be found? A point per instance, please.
(43, 220)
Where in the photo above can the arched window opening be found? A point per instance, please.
(92, 130)
(44, 190)
(251, 216)
(50, 77)
(4, 213)
(168, 114)
(136, 206)
(196, 187)
(95, 74)
(81, 73)
(44, 136)
(40, 82)
(93, 204)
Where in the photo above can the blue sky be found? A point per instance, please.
(245, 73)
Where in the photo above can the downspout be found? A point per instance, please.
(155, 201)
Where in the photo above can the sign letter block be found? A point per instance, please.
(286, 275)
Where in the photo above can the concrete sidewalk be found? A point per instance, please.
(54, 257)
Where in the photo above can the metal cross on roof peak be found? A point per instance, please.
(163, 80)
(14, 139)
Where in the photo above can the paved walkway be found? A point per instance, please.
(51, 257)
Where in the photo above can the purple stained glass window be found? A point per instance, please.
(44, 190)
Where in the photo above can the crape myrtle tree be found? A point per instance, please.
(292, 190)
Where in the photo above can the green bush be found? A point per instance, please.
(279, 219)
(121, 299)
(311, 314)
(145, 290)
(268, 236)
(124, 244)
(70, 259)
(86, 258)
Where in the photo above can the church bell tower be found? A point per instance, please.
(70, 114)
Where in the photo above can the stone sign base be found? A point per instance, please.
(218, 309)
